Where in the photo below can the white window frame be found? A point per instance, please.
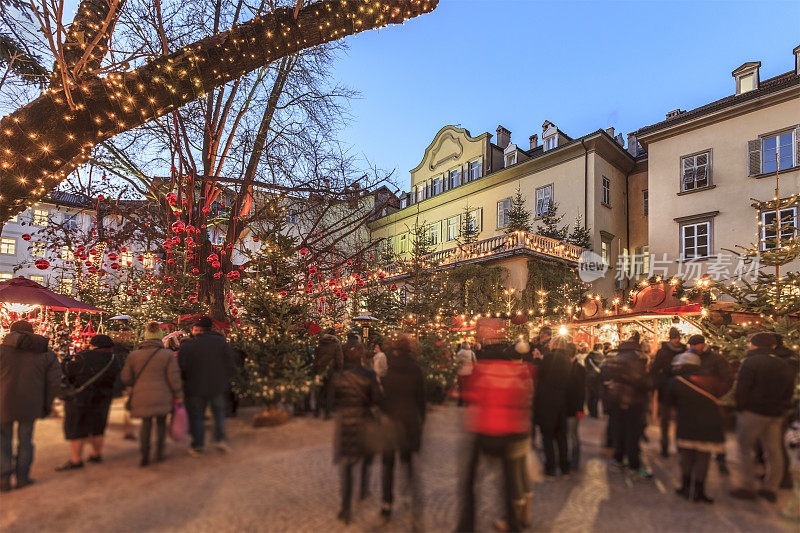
(454, 178)
(71, 222)
(66, 253)
(695, 225)
(421, 189)
(503, 207)
(453, 228)
(38, 278)
(148, 261)
(40, 217)
(549, 143)
(434, 233)
(693, 171)
(605, 191)
(542, 207)
(402, 243)
(65, 285)
(126, 258)
(476, 216)
(777, 149)
(436, 186)
(5, 276)
(474, 169)
(8, 246)
(787, 214)
(510, 159)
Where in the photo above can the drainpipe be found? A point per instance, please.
(628, 223)
(585, 185)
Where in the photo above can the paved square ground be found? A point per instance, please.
(283, 479)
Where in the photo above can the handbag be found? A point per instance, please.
(129, 401)
(69, 391)
(179, 423)
(378, 432)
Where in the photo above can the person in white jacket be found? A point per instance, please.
(379, 363)
(466, 360)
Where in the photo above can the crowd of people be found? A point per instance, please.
(159, 374)
(513, 393)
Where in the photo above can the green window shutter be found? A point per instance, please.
(754, 157)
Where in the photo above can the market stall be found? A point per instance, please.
(48, 311)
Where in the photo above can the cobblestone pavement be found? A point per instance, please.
(283, 479)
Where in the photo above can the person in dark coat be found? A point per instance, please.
(713, 363)
(86, 413)
(206, 363)
(764, 390)
(353, 391)
(404, 402)
(327, 360)
(661, 373)
(791, 358)
(576, 396)
(550, 401)
(592, 363)
(30, 378)
(628, 386)
(699, 433)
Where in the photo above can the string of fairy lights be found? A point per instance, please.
(43, 142)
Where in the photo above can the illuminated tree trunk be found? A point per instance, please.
(44, 141)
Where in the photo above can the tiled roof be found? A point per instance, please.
(767, 86)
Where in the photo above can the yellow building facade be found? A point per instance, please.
(586, 177)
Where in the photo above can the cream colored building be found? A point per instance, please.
(586, 176)
(708, 165)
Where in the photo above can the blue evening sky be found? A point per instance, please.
(581, 65)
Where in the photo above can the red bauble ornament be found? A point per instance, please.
(216, 264)
(42, 264)
(178, 227)
(26, 237)
(195, 271)
(312, 269)
(212, 258)
(112, 256)
(233, 274)
(114, 266)
(217, 275)
(172, 198)
(255, 239)
(303, 252)
(170, 261)
(140, 258)
(80, 248)
(206, 210)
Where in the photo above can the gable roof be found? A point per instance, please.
(777, 83)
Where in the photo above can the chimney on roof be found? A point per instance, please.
(534, 140)
(674, 113)
(503, 137)
(620, 139)
(796, 52)
(634, 148)
(610, 131)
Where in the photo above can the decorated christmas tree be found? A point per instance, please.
(469, 227)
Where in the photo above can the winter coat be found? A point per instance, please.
(576, 389)
(592, 363)
(328, 355)
(625, 376)
(661, 369)
(699, 418)
(791, 358)
(765, 385)
(466, 361)
(353, 391)
(84, 365)
(155, 384)
(551, 387)
(715, 364)
(404, 399)
(206, 363)
(30, 377)
(499, 394)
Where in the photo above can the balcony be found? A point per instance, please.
(496, 248)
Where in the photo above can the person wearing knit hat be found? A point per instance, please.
(153, 331)
(764, 390)
(661, 373)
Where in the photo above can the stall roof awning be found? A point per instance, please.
(24, 291)
(666, 312)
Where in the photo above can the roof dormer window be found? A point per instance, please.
(551, 143)
(746, 77)
(511, 159)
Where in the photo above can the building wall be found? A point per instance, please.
(564, 168)
(732, 191)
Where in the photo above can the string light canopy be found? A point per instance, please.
(44, 141)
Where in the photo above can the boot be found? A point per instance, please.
(700, 493)
(684, 490)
